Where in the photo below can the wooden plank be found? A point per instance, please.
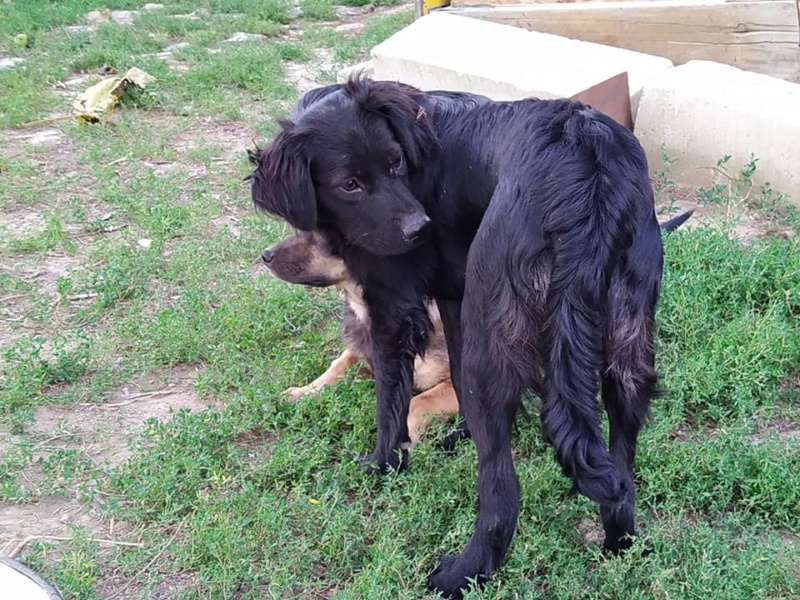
(423, 7)
(516, 2)
(758, 36)
(488, 3)
(798, 21)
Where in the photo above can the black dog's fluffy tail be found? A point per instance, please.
(595, 195)
(676, 222)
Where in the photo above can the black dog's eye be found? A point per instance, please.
(351, 185)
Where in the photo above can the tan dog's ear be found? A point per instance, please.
(281, 184)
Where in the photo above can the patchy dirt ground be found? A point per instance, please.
(102, 432)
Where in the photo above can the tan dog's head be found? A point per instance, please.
(305, 258)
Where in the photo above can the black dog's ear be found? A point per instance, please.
(282, 184)
(401, 106)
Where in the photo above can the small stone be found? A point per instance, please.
(76, 81)
(349, 27)
(80, 28)
(97, 17)
(178, 46)
(124, 17)
(349, 11)
(153, 6)
(45, 137)
(7, 63)
(241, 36)
(145, 243)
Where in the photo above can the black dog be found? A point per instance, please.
(532, 224)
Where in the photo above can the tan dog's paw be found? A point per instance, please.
(295, 393)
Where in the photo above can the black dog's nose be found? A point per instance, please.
(266, 256)
(412, 225)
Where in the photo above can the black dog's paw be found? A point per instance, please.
(445, 580)
(612, 548)
(373, 464)
(449, 442)
(450, 578)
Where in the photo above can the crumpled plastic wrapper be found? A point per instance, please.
(97, 103)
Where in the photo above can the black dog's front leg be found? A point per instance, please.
(393, 376)
(397, 337)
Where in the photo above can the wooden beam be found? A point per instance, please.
(798, 21)
(760, 36)
(423, 7)
(486, 3)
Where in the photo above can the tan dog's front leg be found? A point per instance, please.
(334, 373)
(439, 401)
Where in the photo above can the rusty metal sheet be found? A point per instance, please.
(611, 97)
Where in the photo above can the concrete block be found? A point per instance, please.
(704, 110)
(364, 67)
(451, 52)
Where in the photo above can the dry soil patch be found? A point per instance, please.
(305, 76)
(103, 431)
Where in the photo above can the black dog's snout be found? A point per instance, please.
(266, 256)
(413, 225)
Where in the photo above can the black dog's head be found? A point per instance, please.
(343, 165)
(306, 258)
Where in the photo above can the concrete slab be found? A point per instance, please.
(364, 68)
(703, 110)
(445, 51)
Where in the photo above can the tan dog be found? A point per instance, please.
(306, 258)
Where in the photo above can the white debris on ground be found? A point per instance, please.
(167, 52)
(122, 17)
(41, 137)
(8, 63)
(241, 36)
(349, 27)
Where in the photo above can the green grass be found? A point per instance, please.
(141, 264)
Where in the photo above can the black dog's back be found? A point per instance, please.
(441, 106)
(540, 148)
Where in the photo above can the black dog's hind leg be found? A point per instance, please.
(627, 411)
(450, 312)
(494, 371)
(489, 399)
(629, 382)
